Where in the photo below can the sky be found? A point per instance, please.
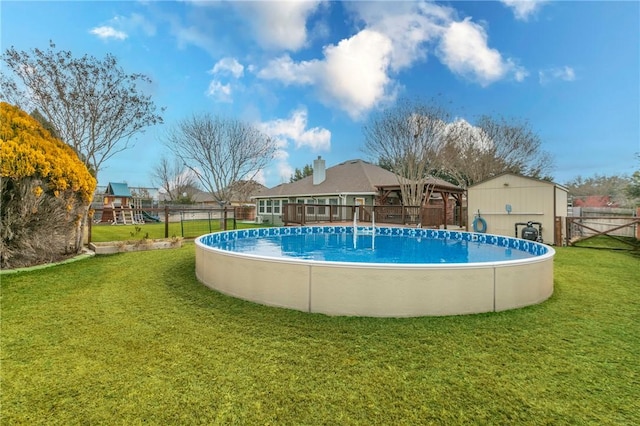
(310, 73)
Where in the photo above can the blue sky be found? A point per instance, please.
(310, 73)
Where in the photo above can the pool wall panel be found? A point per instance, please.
(278, 284)
(523, 284)
(380, 292)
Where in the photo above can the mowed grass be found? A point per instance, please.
(188, 229)
(134, 338)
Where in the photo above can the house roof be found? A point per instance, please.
(350, 177)
(239, 192)
(118, 189)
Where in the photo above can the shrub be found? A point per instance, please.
(46, 191)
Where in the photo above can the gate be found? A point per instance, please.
(625, 230)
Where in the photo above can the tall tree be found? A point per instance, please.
(612, 187)
(633, 188)
(93, 104)
(406, 139)
(298, 174)
(493, 146)
(220, 151)
(175, 179)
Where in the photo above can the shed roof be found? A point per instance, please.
(118, 189)
(520, 176)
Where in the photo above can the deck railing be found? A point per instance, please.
(302, 214)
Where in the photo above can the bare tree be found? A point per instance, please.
(407, 140)
(220, 151)
(493, 146)
(613, 187)
(93, 105)
(243, 190)
(174, 178)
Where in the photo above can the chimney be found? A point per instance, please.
(319, 174)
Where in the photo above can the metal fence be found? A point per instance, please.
(193, 221)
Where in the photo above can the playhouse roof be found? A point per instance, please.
(118, 189)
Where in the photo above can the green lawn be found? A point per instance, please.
(187, 229)
(134, 338)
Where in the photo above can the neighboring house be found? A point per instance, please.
(508, 199)
(594, 201)
(240, 194)
(351, 183)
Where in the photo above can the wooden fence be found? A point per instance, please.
(617, 227)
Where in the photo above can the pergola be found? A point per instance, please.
(433, 185)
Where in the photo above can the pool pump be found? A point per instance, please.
(529, 232)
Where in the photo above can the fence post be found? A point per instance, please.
(166, 221)
(224, 219)
(235, 211)
(637, 224)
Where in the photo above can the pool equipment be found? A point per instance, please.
(479, 224)
(529, 232)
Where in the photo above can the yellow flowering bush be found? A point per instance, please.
(28, 150)
(46, 190)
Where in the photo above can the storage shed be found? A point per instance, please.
(508, 201)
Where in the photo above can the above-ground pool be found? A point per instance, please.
(383, 272)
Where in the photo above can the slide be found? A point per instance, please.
(148, 217)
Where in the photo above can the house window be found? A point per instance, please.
(321, 210)
(276, 206)
(269, 207)
(261, 206)
(333, 202)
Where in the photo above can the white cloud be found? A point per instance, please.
(258, 176)
(523, 9)
(355, 72)
(119, 27)
(408, 25)
(228, 66)
(563, 73)
(352, 76)
(219, 91)
(281, 24)
(285, 171)
(295, 129)
(106, 32)
(285, 70)
(463, 48)
(468, 136)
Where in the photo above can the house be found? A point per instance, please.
(341, 188)
(509, 199)
(594, 201)
(240, 194)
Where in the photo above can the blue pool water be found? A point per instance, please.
(387, 245)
